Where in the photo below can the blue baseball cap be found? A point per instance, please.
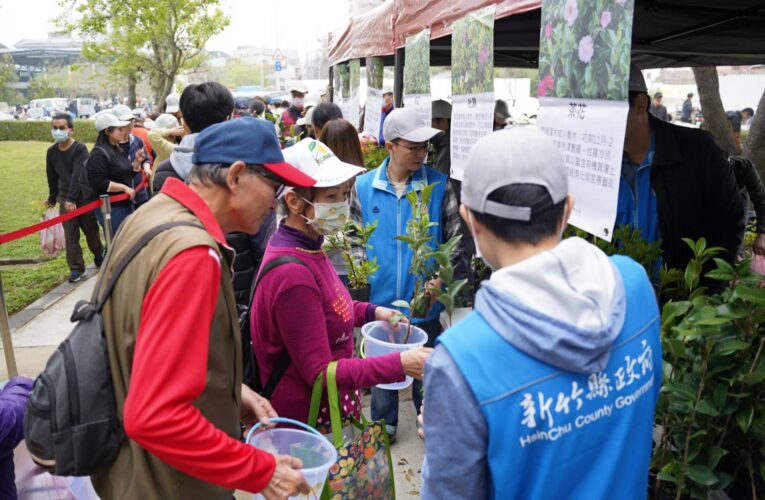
(250, 140)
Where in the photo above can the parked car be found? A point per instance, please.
(6, 117)
(86, 107)
(40, 108)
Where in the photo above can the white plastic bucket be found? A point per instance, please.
(316, 452)
(380, 339)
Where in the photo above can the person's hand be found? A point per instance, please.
(287, 480)
(389, 316)
(140, 156)
(69, 206)
(176, 132)
(758, 247)
(48, 204)
(421, 421)
(147, 170)
(413, 362)
(129, 191)
(256, 408)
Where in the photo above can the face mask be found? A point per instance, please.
(297, 102)
(59, 135)
(328, 217)
(475, 241)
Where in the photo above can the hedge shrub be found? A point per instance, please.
(33, 130)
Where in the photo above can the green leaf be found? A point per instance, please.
(701, 474)
(400, 303)
(755, 295)
(714, 455)
(753, 378)
(730, 346)
(682, 390)
(744, 417)
(705, 407)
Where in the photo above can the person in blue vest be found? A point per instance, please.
(547, 389)
(380, 195)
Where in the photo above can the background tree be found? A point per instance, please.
(158, 38)
(715, 120)
(754, 146)
(42, 85)
(8, 77)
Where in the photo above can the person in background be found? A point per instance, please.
(202, 105)
(173, 312)
(501, 114)
(109, 169)
(746, 116)
(172, 106)
(751, 187)
(676, 183)
(304, 311)
(534, 386)
(341, 138)
(380, 195)
(63, 162)
(13, 401)
(687, 110)
(134, 148)
(294, 111)
(258, 108)
(323, 95)
(140, 131)
(164, 137)
(387, 108)
(441, 119)
(241, 107)
(322, 114)
(658, 109)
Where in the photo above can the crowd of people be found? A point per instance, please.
(516, 386)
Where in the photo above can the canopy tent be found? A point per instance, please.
(666, 33)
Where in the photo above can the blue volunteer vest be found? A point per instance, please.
(555, 434)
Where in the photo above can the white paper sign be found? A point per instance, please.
(472, 118)
(421, 104)
(590, 136)
(372, 112)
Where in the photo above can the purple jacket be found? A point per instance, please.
(13, 399)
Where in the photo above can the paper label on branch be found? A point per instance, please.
(372, 112)
(421, 104)
(472, 118)
(590, 136)
(472, 84)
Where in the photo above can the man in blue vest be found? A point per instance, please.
(380, 195)
(547, 389)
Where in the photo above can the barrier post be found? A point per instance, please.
(5, 333)
(106, 211)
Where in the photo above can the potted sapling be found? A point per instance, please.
(359, 268)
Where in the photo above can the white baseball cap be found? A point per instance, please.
(519, 155)
(122, 112)
(166, 121)
(299, 87)
(315, 159)
(171, 102)
(403, 123)
(106, 119)
(139, 114)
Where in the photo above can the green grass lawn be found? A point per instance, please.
(23, 189)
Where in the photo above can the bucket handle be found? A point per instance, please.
(284, 420)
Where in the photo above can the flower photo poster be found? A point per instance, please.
(472, 84)
(373, 107)
(584, 65)
(417, 75)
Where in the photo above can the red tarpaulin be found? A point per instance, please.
(370, 34)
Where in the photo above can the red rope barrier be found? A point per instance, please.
(26, 231)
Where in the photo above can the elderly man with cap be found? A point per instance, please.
(172, 105)
(527, 396)
(295, 110)
(379, 195)
(658, 109)
(441, 119)
(172, 330)
(676, 183)
(387, 107)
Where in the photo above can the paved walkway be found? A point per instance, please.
(40, 328)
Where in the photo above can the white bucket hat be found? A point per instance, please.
(315, 159)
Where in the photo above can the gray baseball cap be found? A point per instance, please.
(519, 155)
(405, 124)
(441, 109)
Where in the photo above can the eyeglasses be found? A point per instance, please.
(422, 148)
(274, 181)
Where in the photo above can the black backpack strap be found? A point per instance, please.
(137, 247)
(284, 360)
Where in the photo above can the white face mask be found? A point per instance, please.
(328, 217)
(297, 102)
(478, 253)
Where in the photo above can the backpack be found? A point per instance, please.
(70, 424)
(250, 371)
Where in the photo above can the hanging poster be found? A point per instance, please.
(472, 84)
(584, 66)
(373, 107)
(417, 74)
(353, 100)
(344, 73)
